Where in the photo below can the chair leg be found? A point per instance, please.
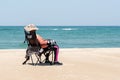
(39, 56)
(47, 56)
(32, 60)
(27, 58)
(52, 57)
(38, 59)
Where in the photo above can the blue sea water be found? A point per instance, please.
(12, 37)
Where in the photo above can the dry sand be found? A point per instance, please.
(78, 64)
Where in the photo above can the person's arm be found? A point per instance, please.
(41, 40)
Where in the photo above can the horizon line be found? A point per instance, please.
(62, 25)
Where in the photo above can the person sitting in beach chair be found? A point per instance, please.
(36, 43)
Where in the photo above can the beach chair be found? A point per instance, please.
(34, 48)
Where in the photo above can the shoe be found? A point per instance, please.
(58, 63)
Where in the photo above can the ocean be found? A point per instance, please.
(12, 37)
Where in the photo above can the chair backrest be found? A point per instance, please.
(31, 39)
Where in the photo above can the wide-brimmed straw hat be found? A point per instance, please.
(30, 27)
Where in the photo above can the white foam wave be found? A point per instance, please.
(69, 29)
(55, 29)
(65, 29)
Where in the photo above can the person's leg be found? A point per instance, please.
(56, 51)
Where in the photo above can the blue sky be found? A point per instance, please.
(60, 12)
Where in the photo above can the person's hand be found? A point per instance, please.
(48, 42)
(51, 42)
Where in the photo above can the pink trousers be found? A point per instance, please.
(56, 52)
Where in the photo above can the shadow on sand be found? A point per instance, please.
(42, 64)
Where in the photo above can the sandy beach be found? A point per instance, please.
(78, 64)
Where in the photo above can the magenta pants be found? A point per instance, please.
(56, 49)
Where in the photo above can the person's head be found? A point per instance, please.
(30, 28)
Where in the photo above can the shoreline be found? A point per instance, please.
(67, 48)
(78, 64)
